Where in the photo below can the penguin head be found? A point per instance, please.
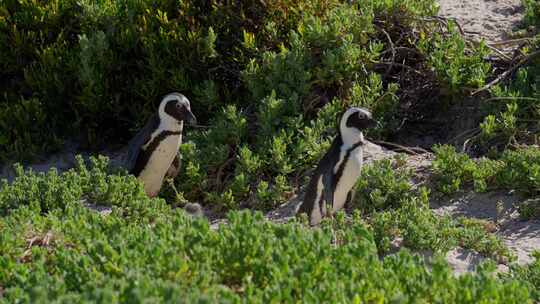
(353, 122)
(174, 109)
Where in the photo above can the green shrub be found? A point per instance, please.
(447, 56)
(532, 12)
(452, 169)
(512, 170)
(72, 253)
(521, 171)
(271, 77)
(267, 81)
(47, 192)
(383, 185)
(420, 229)
(528, 275)
(54, 248)
(514, 108)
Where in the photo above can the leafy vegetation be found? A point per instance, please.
(52, 248)
(532, 12)
(513, 170)
(514, 106)
(399, 212)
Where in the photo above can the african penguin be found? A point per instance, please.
(337, 172)
(153, 152)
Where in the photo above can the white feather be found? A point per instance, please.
(154, 172)
(350, 175)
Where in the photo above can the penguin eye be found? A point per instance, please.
(178, 106)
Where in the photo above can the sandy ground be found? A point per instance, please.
(62, 161)
(488, 19)
(521, 236)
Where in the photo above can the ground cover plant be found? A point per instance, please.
(267, 81)
(512, 170)
(53, 249)
(397, 211)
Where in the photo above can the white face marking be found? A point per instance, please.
(351, 135)
(169, 122)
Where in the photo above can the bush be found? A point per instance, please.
(447, 55)
(383, 185)
(512, 170)
(58, 250)
(267, 81)
(532, 12)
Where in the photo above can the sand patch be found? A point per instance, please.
(492, 20)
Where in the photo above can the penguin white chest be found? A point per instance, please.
(349, 176)
(159, 162)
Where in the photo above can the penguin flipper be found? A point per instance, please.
(328, 192)
(136, 143)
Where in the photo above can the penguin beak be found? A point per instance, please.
(191, 119)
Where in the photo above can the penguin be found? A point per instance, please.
(153, 153)
(330, 187)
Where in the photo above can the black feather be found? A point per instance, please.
(139, 140)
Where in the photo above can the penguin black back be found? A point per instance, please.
(135, 158)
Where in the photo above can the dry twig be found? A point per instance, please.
(220, 171)
(398, 147)
(511, 41)
(402, 66)
(508, 72)
(464, 134)
(392, 48)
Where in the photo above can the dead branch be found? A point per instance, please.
(402, 66)
(398, 147)
(465, 147)
(501, 53)
(508, 72)
(511, 98)
(392, 48)
(464, 134)
(402, 48)
(464, 34)
(444, 21)
(220, 171)
(511, 41)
